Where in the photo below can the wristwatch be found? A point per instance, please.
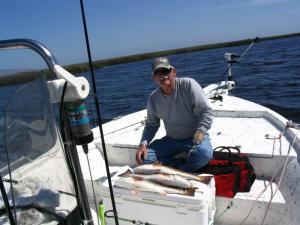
(144, 143)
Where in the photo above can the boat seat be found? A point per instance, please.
(242, 203)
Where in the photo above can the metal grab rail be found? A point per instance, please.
(33, 45)
(78, 87)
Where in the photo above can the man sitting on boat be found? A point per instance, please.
(187, 116)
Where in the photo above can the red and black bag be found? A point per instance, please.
(233, 172)
(227, 179)
(224, 155)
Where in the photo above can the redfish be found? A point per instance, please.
(171, 180)
(158, 168)
(136, 184)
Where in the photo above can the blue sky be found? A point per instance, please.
(125, 27)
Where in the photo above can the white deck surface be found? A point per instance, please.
(248, 133)
(232, 126)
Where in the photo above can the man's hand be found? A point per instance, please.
(140, 154)
(198, 137)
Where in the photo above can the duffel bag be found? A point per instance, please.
(224, 155)
(227, 179)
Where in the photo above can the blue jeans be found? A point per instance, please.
(164, 150)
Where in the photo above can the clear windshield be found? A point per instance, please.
(34, 169)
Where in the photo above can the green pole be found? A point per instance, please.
(101, 212)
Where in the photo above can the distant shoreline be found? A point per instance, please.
(84, 67)
(75, 68)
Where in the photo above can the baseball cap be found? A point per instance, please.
(161, 62)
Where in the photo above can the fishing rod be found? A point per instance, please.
(234, 58)
(98, 113)
(6, 203)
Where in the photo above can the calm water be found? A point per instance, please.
(269, 75)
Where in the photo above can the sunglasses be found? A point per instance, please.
(162, 72)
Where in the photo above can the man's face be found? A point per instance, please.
(164, 77)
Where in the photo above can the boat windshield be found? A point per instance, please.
(33, 168)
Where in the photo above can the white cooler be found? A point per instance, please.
(153, 208)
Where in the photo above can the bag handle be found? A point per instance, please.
(228, 148)
(222, 149)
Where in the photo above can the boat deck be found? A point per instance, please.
(254, 128)
(255, 131)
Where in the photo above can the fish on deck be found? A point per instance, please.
(136, 184)
(157, 168)
(171, 180)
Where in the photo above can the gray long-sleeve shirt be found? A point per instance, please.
(183, 112)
